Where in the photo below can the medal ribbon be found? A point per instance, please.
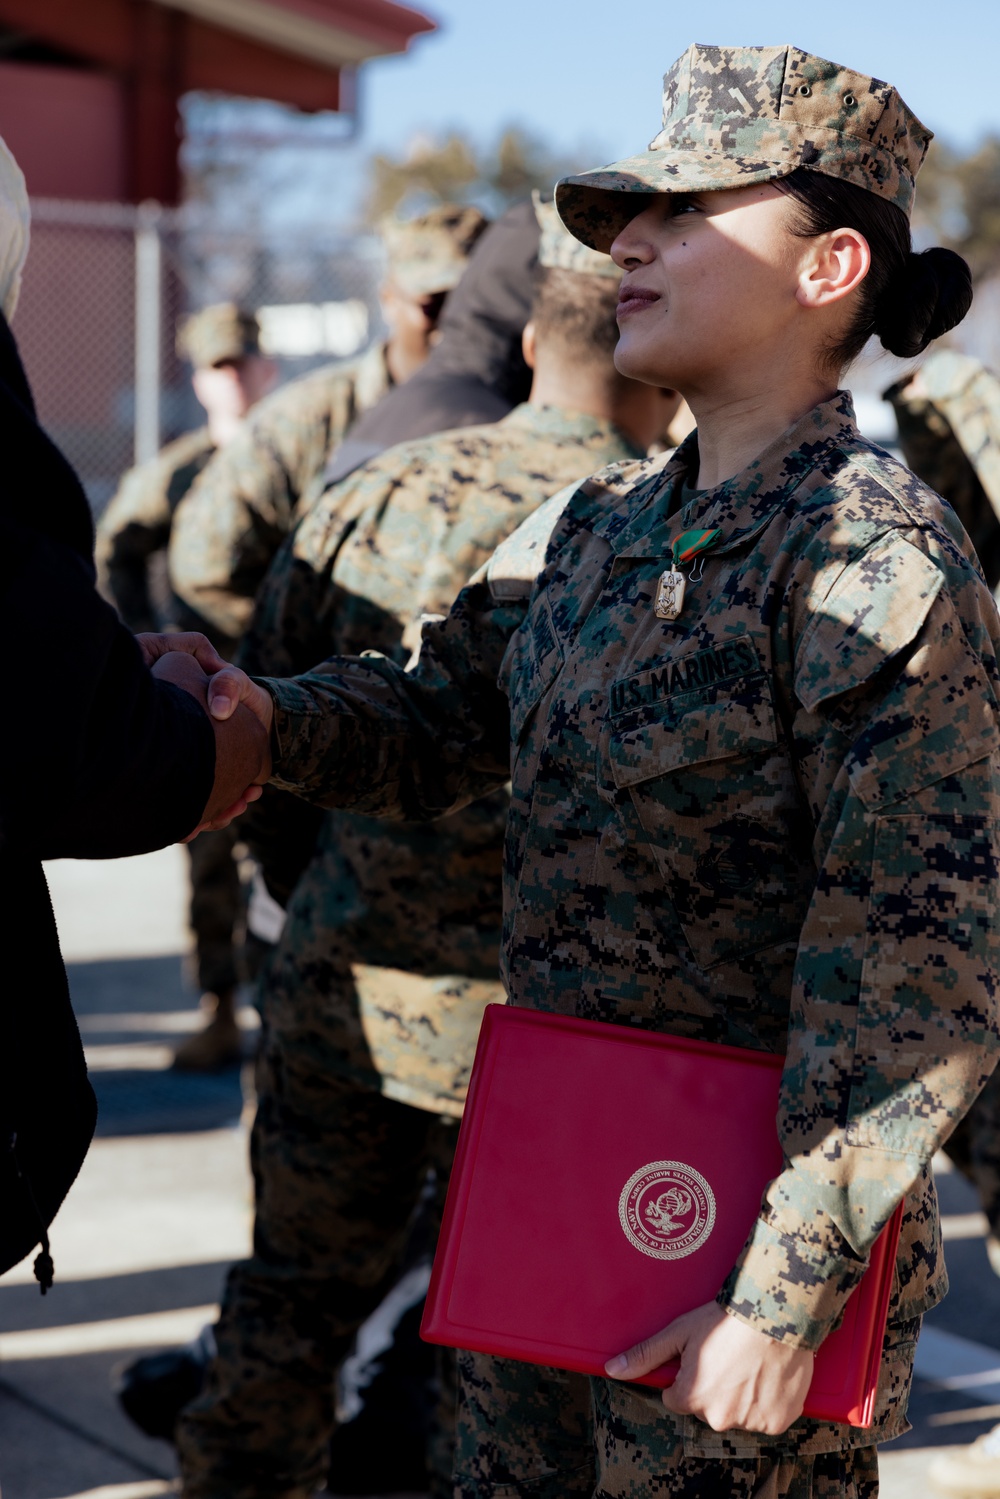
(690, 543)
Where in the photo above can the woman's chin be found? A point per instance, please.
(642, 363)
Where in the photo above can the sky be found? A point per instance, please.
(584, 77)
(588, 72)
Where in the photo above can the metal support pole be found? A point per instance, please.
(148, 303)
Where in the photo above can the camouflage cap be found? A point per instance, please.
(429, 254)
(561, 251)
(738, 115)
(216, 334)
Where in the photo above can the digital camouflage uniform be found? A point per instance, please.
(950, 436)
(258, 487)
(135, 528)
(255, 492)
(373, 998)
(771, 822)
(133, 533)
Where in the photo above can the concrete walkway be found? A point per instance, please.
(163, 1206)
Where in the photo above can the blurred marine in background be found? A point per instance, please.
(948, 415)
(372, 1001)
(229, 375)
(251, 496)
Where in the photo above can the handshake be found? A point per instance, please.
(241, 714)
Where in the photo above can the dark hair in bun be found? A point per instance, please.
(906, 300)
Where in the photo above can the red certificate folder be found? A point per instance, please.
(605, 1182)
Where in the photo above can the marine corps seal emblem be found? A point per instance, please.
(667, 1210)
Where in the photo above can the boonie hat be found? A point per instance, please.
(429, 254)
(217, 334)
(559, 250)
(733, 116)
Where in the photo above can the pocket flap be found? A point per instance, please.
(694, 734)
(876, 608)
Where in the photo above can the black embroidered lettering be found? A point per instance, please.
(745, 651)
(710, 667)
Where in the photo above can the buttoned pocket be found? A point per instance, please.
(712, 787)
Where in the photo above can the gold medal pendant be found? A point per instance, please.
(669, 595)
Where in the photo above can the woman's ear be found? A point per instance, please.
(528, 345)
(838, 264)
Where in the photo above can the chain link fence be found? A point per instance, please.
(105, 286)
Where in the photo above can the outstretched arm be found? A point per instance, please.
(362, 733)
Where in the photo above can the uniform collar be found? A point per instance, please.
(741, 506)
(573, 426)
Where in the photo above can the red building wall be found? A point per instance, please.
(66, 127)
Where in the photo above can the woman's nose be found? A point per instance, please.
(633, 245)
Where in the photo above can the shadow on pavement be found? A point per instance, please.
(145, 1100)
(135, 1294)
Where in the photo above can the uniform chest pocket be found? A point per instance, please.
(712, 787)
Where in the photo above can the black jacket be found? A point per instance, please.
(477, 372)
(97, 760)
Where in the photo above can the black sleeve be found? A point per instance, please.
(99, 759)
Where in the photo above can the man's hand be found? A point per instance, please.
(242, 742)
(731, 1375)
(184, 642)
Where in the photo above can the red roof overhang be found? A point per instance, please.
(297, 52)
(301, 42)
(338, 33)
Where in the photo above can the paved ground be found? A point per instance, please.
(162, 1206)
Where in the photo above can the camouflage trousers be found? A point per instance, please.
(216, 910)
(339, 1171)
(975, 1149)
(532, 1433)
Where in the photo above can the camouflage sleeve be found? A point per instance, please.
(135, 524)
(229, 526)
(893, 1026)
(412, 745)
(415, 744)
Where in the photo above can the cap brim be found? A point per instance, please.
(427, 281)
(596, 206)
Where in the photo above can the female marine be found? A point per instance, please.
(747, 697)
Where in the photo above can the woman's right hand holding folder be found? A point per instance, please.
(731, 1375)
